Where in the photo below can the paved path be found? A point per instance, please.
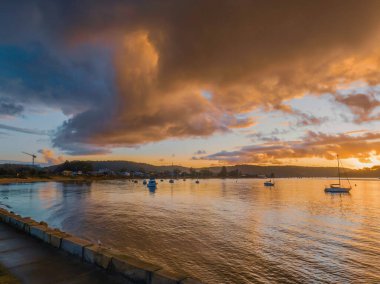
(32, 261)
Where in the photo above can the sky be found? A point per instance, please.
(194, 83)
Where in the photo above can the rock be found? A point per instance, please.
(74, 246)
(4, 215)
(38, 232)
(98, 255)
(28, 222)
(42, 223)
(56, 238)
(16, 222)
(133, 269)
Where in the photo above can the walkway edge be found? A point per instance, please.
(110, 260)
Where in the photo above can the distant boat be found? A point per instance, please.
(269, 183)
(144, 182)
(152, 183)
(337, 187)
(172, 179)
(197, 181)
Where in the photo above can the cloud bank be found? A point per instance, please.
(313, 145)
(133, 72)
(363, 106)
(24, 130)
(50, 157)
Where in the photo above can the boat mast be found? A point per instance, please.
(337, 157)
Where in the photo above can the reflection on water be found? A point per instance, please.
(152, 190)
(221, 231)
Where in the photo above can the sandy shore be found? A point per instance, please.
(50, 179)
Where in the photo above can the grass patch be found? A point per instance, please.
(6, 277)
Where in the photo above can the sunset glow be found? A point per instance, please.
(192, 83)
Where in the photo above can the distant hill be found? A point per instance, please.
(299, 171)
(126, 166)
(20, 170)
(249, 170)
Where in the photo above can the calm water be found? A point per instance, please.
(222, 231)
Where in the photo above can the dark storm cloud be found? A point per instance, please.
(73, 82)
(24, 130)
(133, 72)
(10, 109)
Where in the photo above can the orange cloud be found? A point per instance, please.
(313, 145)
(163, 54)
(361, 105)
(50, 157)
(260, 54)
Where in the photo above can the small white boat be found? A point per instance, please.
(152, 183)
(337, 187)
(268, 183)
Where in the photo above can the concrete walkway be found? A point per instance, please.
(32, 261)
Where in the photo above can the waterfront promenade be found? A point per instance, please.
(33, 261)
(36, 253)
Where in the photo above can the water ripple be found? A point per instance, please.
(221, 231)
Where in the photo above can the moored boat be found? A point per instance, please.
(269, 183)
(152, 183)
(338, 187)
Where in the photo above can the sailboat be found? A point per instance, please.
(197, 181)
(337, 187)
(172, 180)
(269, 183)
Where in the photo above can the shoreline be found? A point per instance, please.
(107, 259)
(54, 179)
(4, 181)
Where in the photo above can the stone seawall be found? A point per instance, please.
(108, 259)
